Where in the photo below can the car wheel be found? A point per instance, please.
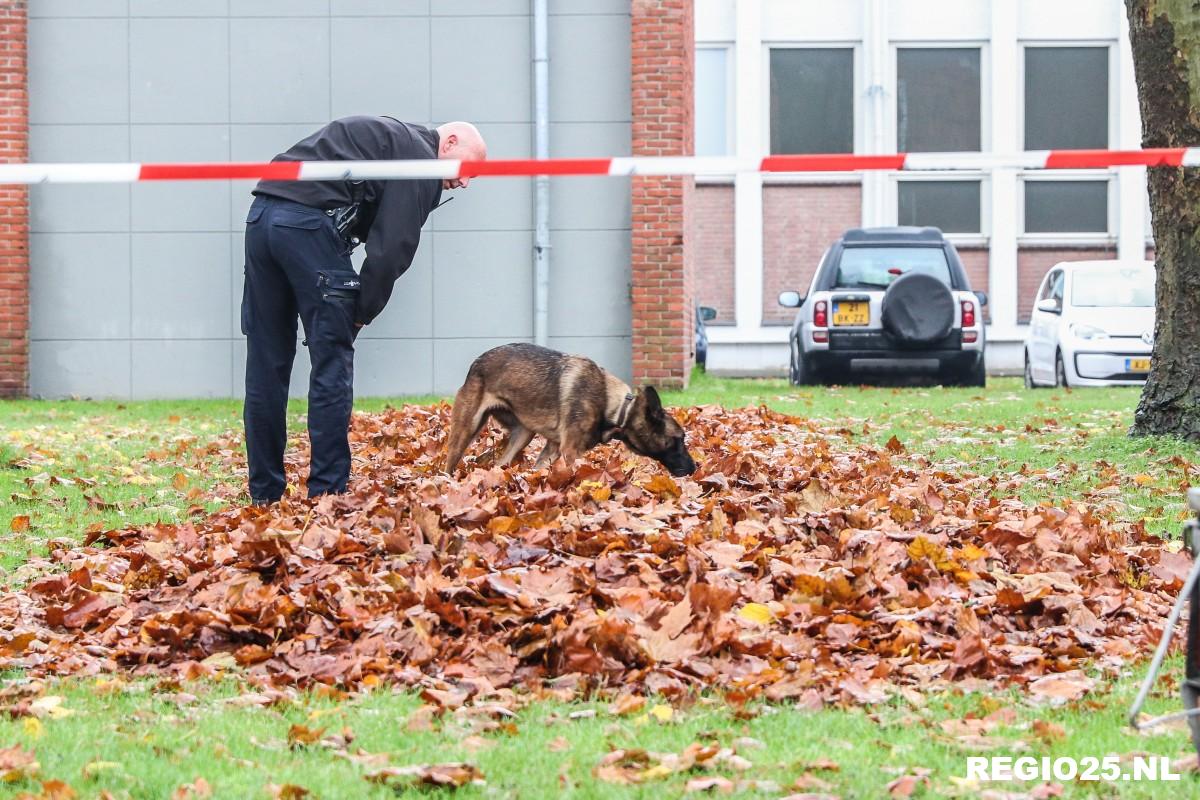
(977, 375)
(1060, 371)
(800, 373)
(1029, 384)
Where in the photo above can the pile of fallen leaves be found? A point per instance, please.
(792, 565)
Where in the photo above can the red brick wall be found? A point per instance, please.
(14, 204)
(1033, 262)
(711, 212)
(663, 44)
(799, 222)
(975, 262)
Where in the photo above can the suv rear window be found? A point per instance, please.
(877, 267)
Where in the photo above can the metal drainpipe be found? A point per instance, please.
(541, 136)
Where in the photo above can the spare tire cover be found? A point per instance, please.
(918, 309)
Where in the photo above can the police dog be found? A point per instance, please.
(569, 400)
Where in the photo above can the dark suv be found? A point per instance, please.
(888, 301)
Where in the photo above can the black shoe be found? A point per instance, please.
(262, 501)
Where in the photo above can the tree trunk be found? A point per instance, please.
(1165, 35)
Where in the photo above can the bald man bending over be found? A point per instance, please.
(299, 237)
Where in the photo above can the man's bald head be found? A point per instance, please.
(463, 141)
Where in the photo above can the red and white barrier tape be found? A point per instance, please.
(634, 165)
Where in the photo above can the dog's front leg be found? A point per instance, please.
(548, 454)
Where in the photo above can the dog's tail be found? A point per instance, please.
(466, 418)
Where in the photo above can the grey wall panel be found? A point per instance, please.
(180, 205)
(136, 290)
(483, 284)
(180, 286)
(393, 367)
(590, 52)
(380, 8)
(96, 368)
(181, 368)
(481, 69)
(381, 66)
(179, 70)
(452, 358)
(79, 286)
(613, 353)
(279, 8)
(78, 8)
(175, 8)
(589, 284)
(409, 313)
(79, 207)
(589, 7)
(489, 204)
(279, 70)
(478, 8)
(589, 203)
(78, 70)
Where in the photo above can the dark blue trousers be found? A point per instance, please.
(297, 267)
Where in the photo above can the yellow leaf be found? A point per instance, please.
(662, 713)
(220, 661)
(94, 768)
(33, 727)
(970, 552)
(600, 493)
(662, 485)
(657, 772)
(921, 547)
(756, 613)
(19, 524)
(1142, 479)
(179, 481)
(51, 706)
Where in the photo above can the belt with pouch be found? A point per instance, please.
(344, 218)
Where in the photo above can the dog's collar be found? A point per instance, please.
(623, 410)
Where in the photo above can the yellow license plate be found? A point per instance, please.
(851, 313)
(1137, 365)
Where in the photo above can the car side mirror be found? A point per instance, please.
(1049, 305)
(790, 299)
(982, 298)
(707, 313)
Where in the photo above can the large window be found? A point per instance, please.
(812, 100)
(952, 206)
(1066, 98)
(712, 111)
(937, 100)
(1066, 206)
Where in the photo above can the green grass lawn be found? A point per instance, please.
(65, 466)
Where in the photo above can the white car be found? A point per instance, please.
(1092, 325)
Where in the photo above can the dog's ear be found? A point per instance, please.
(613, 433)
(653, 403)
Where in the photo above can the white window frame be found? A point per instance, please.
(892, 132)
(1108, 237)
(858, 86)
(730, 97)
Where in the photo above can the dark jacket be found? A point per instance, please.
(391, 212)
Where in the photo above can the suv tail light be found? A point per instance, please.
(820, 314)
(968, 314)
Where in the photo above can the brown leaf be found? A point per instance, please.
(287, 791)
(452, 775)
(17, 764)
(300, 735)
(19, 524)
